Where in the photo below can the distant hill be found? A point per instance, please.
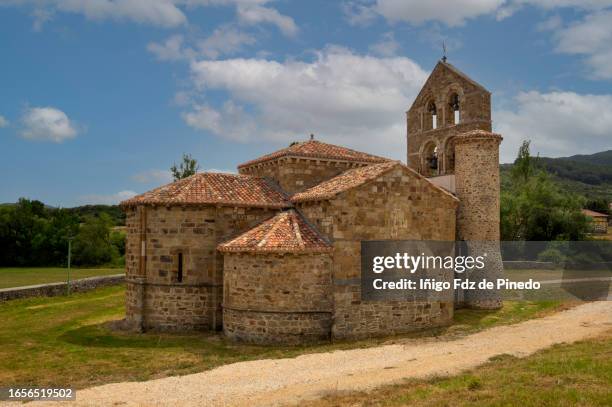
(603, 158)
(588, 175)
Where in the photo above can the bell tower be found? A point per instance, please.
(449, 103)
(450, 142)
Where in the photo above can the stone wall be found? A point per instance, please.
(156, 299)
(399, 205)
(277, 298)
(298, 174)
(477, 187)
(55, 289)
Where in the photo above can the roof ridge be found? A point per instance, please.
(296, 230)
(287, 231)
(346, 174)
(273, 228)
(214, 188)
(327, 151)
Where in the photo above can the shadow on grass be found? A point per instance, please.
(100, 335)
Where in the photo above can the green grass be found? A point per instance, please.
(17, 277)
(67, 341)
(579, 374)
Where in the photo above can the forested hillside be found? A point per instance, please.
(587, 175)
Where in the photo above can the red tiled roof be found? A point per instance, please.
(285, 232)
(347, 180)
(215, 188)
(317, 149)
(354, 178)
(594, 214)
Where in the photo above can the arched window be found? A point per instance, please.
(454, 109)
(429, 160)
(449, 156)
(433, 113)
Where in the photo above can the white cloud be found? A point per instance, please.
(3, 122)
(558, 123)
(358, 13)
(153, 176)
(341, 97)
(511, 7)
(553, 23)
(112, 199)
(171, 50)
(163, 13)
(231, 121)
(255, 14)
(47, 123)
(450, 12)
(453, 13)
(590, 37)
(41, 16)
(225, 40)
(387, 46)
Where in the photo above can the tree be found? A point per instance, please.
(93, 245)
(533, 208)
(187, 168)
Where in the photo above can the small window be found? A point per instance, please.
(434, 114)
(179, 276)
(454, 107)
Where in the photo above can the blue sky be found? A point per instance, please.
(100, 97)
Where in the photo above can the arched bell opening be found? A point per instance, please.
(430, 116)
(453, 117)
(429, 160)
(449, 156)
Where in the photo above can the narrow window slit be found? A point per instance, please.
(180, 268)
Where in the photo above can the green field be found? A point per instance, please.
(17, 277)
(67, 341)
(579, 374)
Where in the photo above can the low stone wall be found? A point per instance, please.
(54, 289)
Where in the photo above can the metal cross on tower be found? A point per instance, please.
(443, 51)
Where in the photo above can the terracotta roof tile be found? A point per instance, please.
(285, 232)
(345, 181)
(215, 188)
(317, 149)
(594, 214)
(356, 177)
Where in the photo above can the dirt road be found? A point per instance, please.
(287, 381)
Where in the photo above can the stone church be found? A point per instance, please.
(272, 254)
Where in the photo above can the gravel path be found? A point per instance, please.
(287, 381)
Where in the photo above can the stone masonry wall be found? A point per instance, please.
(277, 298)
(477, 187)
(195, 232)
(399, 205)
(298, 174)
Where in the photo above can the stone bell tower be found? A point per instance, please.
(450, 142)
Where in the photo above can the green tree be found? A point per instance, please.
(534, 208)
(92, 245)
(599, 205)
(186, 168)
